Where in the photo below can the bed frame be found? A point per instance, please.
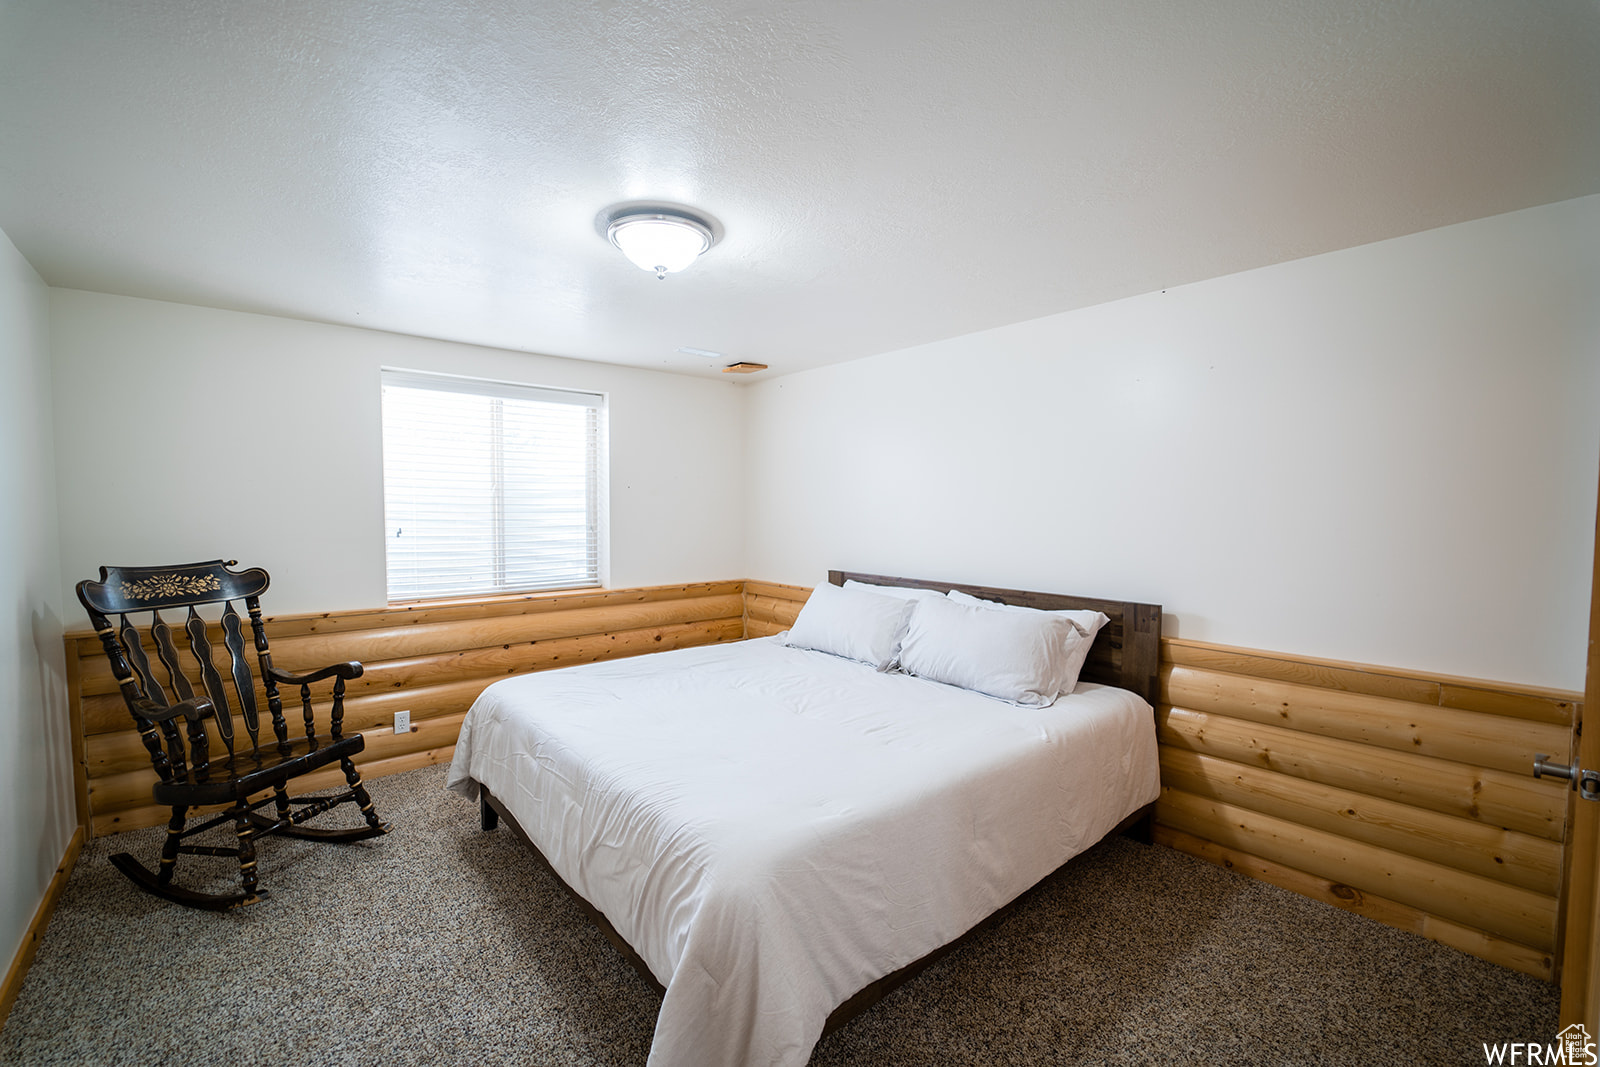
(1126, 653)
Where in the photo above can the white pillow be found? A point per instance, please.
(1076, 651)
(851, 623)
(1087, 622)
(1013, 656)
(899, 592)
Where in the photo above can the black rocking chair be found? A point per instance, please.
(194, 776)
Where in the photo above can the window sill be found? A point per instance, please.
(498, 598)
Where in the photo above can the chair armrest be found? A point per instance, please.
(194, 709)
(346, 671)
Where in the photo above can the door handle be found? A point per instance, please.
(1587, 783)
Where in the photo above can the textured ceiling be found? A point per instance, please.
(886, 173)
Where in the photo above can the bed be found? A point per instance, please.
(775, 836)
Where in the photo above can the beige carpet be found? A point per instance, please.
(440, 944)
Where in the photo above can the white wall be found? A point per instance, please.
(36, 807)
(1385, 454)
(187, 433)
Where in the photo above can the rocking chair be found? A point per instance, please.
(193, 776)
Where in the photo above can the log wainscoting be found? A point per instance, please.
(430, 659)
(1405, 797)
(770, 608)
(1401, 796)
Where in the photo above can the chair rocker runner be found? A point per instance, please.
(191, 774)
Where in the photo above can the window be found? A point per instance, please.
(489, 487)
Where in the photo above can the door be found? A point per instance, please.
(1580, 972)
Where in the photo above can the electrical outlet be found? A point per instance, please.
(402, 722)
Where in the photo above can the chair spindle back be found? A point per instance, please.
(125, 591)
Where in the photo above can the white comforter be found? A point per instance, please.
(774, 828)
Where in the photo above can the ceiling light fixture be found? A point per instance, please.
(658, 240)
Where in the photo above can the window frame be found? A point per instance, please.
(597, 490)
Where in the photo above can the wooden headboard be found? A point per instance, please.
(1126, 652)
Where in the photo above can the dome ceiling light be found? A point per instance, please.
(660, 240)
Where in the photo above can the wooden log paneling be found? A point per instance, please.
(1329, 891)
(757, 628)
(1477, 738)
(108, 713)
(115, 792)
(1407, 797)
(423, 612)
(771, 608)
(1499, 798)
(777, 591)
(402, 642)
(430, 659)
(1505, 855)
(133, 818)
(111, 754)
(1518, 914)
(1527, 702)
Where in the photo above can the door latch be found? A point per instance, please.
(1587, 783)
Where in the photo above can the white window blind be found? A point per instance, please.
(489, 487)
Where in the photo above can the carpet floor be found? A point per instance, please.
(441, 944)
